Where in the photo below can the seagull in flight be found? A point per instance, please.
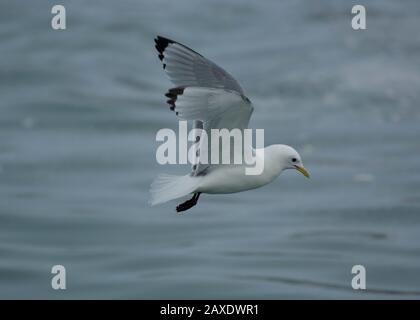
(210, 97)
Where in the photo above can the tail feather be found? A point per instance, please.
(167, 187)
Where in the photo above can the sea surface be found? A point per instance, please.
(79, 112)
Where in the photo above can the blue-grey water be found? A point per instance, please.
(80, 108)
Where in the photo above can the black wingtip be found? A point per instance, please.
(161, 43)
(173, 94)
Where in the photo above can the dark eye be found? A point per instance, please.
(294, 159)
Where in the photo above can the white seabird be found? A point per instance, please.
(213, 99)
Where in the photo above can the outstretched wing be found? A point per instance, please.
(187, 68)
(205, 93)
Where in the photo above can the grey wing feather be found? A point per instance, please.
(186, 67)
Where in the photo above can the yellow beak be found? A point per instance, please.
(303, 171)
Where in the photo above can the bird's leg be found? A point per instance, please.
(189, 203)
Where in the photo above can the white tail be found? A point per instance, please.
(168, 187)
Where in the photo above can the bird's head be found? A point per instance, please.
(290, 159)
